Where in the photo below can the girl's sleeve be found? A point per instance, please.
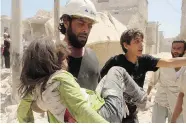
(24, 111)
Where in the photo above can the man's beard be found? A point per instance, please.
(73, 39)
(180, 55)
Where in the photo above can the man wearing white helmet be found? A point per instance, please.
(76, 23)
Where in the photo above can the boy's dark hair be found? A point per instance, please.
(128, 35)
(41, 59)
(180, 41)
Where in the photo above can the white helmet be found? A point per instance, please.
(82, 8)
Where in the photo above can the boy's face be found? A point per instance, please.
(136, 46)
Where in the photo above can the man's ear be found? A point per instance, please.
(125, 45)
(66, 23)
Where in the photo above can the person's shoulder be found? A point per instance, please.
(91, 54)
(146, 56)
(118, 57)
(90, 51)
(61, 74)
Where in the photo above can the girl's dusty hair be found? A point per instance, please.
(41, 59)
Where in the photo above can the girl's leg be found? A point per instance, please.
(114, 84)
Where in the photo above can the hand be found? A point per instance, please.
(126, 110)
(50, 97)
(149, 97)
(145, 106)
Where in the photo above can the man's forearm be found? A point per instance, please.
(174, 62)
(178, 107)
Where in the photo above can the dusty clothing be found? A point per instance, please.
(7, 61)
(168, 90)
(85, 69)
(72, 97)
(84, 104)
(160, 114)
(118, 81)
(6, 51)
(183, 89)
(2, 58)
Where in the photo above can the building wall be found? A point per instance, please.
(183, 21)
(104, 51)
(166, 45)
(5, 24)
(152, 38)
(133, 13)
(160, 43)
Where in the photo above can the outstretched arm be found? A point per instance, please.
(173, 62)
